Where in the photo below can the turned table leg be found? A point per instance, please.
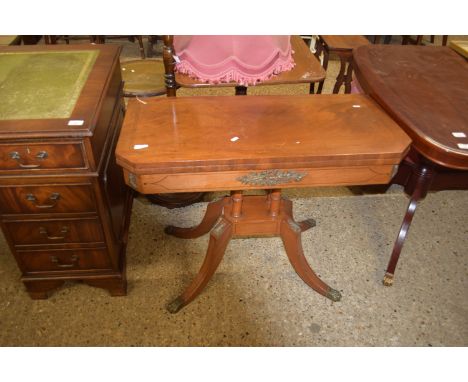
(418, 186)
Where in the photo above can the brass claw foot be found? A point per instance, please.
(176, 305)
(334, 295)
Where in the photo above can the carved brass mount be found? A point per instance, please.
(271, 177)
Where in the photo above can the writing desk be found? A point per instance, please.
(425, 89)
(64, 207)
(259, 142)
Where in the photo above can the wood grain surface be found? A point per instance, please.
(425, 89)
(180, 135)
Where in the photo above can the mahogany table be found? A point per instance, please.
(425, 89)
(259, 142)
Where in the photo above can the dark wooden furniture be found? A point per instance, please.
(10, 40)
(101, 39)
(343, 47)
(425, 89)
(96, 39)
(406, 39)
(256, 142)
(306, 71)
(54, 39)
(64, 206)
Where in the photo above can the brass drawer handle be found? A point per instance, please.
(63, 231)
(57, 263)
(41, 155)
(54, 197)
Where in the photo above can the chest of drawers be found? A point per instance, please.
(64, 206)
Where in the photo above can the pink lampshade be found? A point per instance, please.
(245, 60)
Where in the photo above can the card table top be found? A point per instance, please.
(210, 134)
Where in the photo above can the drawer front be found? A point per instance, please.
(55, 232)
(42, 156)
(64, 260)
(47, 199)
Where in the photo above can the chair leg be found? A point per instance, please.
(348, 77)
(341, 75)
(326, 56)
(142, 47)
(241, 90)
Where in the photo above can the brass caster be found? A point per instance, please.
(388, 279)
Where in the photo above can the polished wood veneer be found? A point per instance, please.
(64, 205)
(425, 89)
(264, 132)
(402, 78)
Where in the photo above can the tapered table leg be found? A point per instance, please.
(291, 236)
(421, 180)
(219, 239)
(212, 214)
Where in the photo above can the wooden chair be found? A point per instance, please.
(343, 47)
(48, 39)
(102, 40)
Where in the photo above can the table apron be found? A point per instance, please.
(259, 179)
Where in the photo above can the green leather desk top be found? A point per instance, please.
(9, 40)
(42, 85)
